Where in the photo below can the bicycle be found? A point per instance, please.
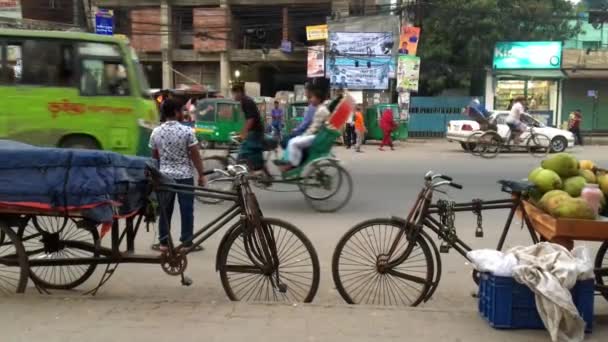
(488, 144)
(394, 261)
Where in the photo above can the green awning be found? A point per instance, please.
(546, 73)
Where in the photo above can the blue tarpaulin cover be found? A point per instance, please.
(98, 184)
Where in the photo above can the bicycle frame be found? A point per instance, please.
(422, 213)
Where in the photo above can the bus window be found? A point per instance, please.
(102, 78)
(39, 62)
(102, 71)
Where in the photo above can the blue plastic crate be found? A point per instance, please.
(507, 304)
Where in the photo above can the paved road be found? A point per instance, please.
(385, 184)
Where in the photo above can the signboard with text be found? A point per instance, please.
(316, 32)
(527, 55)
(10, 9)
(361, 43)
(104, 22)
(359, 72)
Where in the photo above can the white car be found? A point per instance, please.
(460, 130)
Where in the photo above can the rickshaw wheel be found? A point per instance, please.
(321, 184)
(601, 269)
(12, 280)
(55, 238)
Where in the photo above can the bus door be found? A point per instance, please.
(105, 87)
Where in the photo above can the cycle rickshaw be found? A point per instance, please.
(51, 231)
(324, 182)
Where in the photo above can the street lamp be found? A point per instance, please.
(237, 74)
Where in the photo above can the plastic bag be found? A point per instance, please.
(493, 261)
(584, 263)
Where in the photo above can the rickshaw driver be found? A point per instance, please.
(252, 135)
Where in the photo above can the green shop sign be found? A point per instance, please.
(528, 55)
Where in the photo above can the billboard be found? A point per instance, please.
(316, 61)
(360, 72)
(527, 55)
(408, 41)
(361, 43)
(408, 73)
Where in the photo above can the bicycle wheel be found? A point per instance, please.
(490, 144)
(327, 186)
(472, 143)
(357, 261)
(215, 163)
(54, 238)
(538, 145)
(13, 262)
(298, 269)
(601, 268)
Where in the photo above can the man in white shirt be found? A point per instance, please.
(176, 148)
(514, 119)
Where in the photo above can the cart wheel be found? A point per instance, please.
(55, 238)
(601, 269)
(489, 145)
(298, 270)
(539, 145)
(13, 262)
(213, 163)
(327, 186)
(472, 143)
(359, 257)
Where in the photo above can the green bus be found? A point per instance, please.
(72, 89)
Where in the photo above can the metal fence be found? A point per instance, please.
(429, 116)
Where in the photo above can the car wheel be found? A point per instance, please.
(559, 144)
(465, 146)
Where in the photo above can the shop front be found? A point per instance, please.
(528, 69)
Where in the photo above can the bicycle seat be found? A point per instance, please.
(515, 187)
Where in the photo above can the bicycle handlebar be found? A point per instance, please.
(431, 176)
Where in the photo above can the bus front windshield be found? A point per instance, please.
(141, 75)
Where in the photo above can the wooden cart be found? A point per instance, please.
(565, 231)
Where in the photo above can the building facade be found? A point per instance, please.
(216, 42)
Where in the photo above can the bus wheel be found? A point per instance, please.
(82, 142)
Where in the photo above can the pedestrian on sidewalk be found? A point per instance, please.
(388, 125)
(360, 129)
(176, 148)
(574, 125)
(349, 132)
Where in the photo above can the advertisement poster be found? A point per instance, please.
(316, 32)
(408, 42)
(408, 73)
(361, 43)
(359, 73)
(316, 61)
(404, 105)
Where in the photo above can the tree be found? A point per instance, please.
(458, 36)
